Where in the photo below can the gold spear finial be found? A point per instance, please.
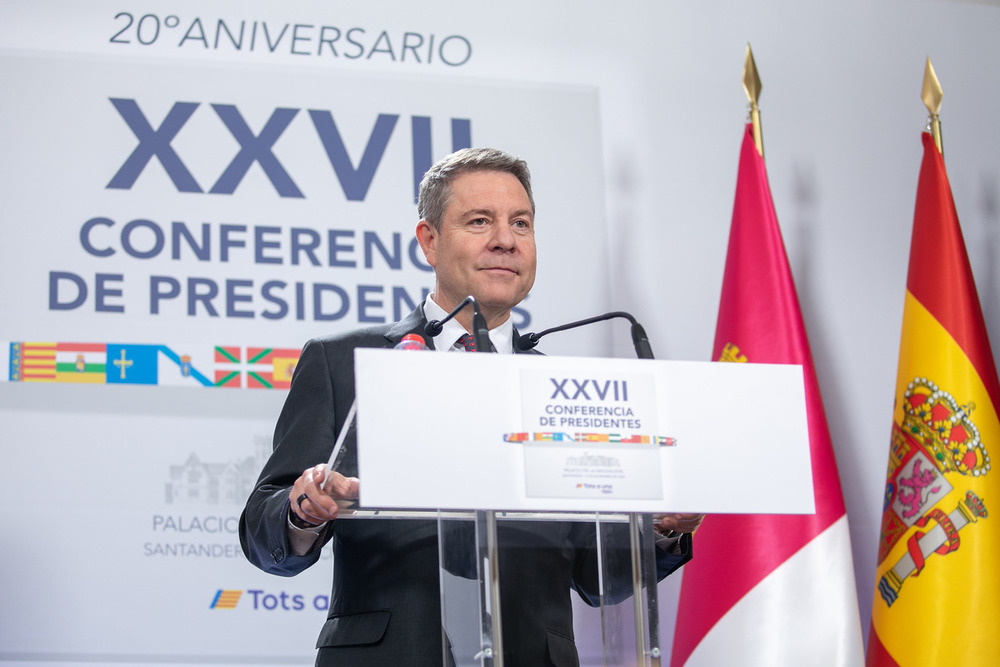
(752, 87)
(931, 94)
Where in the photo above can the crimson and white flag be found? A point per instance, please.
(770, 589)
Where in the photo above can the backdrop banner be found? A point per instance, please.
(174, 229)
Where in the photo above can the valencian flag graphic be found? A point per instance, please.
(770, 589)
(937, 599)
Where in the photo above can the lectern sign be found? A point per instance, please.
(589, 436)
(528, 432)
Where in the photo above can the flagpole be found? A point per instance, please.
(931, 94)
(752, 87)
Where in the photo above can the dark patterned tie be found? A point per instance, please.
(468, 342)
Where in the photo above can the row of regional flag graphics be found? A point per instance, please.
(115, 363)
(780, 589)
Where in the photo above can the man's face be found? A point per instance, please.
(486, 244)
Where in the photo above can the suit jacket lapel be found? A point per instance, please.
(412, 323)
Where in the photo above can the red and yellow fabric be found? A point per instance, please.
(937, 599)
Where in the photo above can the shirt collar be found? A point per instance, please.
(502, 337)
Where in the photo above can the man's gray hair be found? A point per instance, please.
(435, 187)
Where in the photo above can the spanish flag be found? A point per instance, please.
(937, 598)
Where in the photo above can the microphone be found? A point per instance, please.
(480, 330)
(639, 340)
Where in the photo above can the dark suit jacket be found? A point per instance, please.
(385, 605)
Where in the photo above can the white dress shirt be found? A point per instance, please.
(502, 336)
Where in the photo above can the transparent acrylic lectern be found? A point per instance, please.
(530, 562)
(536, 557)
(549, 471)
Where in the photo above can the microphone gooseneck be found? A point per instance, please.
(434, 327)
(639, 340)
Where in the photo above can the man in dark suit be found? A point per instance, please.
(477, 231)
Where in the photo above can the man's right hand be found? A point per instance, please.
(314, 502)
